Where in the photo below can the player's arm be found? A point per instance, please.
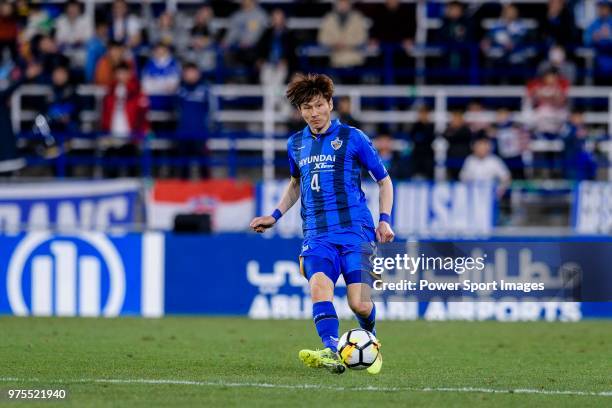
(290, 197)
(384, 233)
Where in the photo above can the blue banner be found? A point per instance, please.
(249, 275)
(420, 209)
(151, 274)
(592, 208)
(78, 205)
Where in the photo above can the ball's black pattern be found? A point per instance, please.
(358, 348)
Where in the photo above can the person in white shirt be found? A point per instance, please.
(125, 27)
(72, 31)
(482, 165)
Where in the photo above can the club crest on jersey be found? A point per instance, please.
(336, 143)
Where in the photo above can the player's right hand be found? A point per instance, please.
(260, 224)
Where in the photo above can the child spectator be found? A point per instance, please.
(124, 107)
(63, 106)
(161, 77)
(511, 142)
(482, 165)
(192, 125)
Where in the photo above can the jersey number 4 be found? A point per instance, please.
(314, 183)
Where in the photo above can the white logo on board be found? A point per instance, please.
(54, 276)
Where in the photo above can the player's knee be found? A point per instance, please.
(360, 307)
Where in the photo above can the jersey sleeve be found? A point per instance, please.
(369, 158)
(294, 170)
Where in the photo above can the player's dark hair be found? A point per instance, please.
(305, 87)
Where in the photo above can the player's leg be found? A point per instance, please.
(358, 287)
(323, 311)
(322, 274)
(360, 302)
(355, 264)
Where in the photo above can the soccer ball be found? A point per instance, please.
(358, 349)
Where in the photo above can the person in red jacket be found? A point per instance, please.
(124, 109)
(124, 118)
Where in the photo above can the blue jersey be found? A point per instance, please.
(329, 168)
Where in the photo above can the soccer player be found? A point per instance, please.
(325, 161)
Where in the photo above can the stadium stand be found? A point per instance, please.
(113, 92)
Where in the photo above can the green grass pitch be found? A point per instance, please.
(240, 362)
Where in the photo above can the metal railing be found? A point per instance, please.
(274, 111)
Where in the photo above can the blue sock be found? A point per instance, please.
(326, 321)
(368, 323)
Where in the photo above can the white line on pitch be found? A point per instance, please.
(311, 386)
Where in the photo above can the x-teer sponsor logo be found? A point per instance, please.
(72, 275)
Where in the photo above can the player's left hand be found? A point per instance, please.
(384, 233)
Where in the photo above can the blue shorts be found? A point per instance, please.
(344, 251)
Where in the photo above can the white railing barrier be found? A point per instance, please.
(276, 111)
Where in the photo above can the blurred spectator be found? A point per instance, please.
(345, 32)
(476, 117)
(559, 26)
(482, 165)
(511, 142)
(124, 107)
(38, 22)
(116, 54)
(9, 30)
(124, 117)
(203, 21)
(161, 77)
(276, 51)
(8, 142)
(202, 50)
(505, 44)
(455, 36)
(72, 29)
(422, 135)
(579, 163)
(22, 9)
(124, 27)
(344, 111)
(165, 30)
(396, 167)
(45, 52)
(393, 23)
(192, 127)
(548, 98)
(245, 29)
(557, 60)
(459, 137)
(95, 48)
(599, 36)
(62, 112)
